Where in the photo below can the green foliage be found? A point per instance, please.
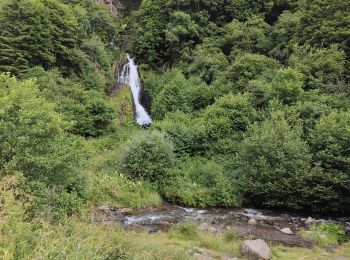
(33, 138)
(118, 191)
(147, 155)
(330, 145)
(186, 231)
(327, 234)
(229, 115)
(249, 36)
(172, 95)
(287, 85)
(330, 141)
(88, 110)
(200, 183)
(44, 33)
(247, 67)
(207, 62)
(323, 23)
(324, 69)
(230, 236)
(276, 164)
(188, 134)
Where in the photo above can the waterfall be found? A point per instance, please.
(130, 76)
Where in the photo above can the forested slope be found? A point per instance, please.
(250, 102)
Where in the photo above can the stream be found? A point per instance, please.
(215, 220)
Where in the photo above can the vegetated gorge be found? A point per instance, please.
(175, 129)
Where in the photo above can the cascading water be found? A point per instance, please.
(130, 76)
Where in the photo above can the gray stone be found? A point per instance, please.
(204, 226)
(259, 214)
(309, 221)
(287, 231)
(256, 249)
(252, 222)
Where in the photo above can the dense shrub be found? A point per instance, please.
(247, 67)
(147, 155)
(276, 165)
(33, 138)
(188, 134)
(200, 183)
(330, 142)
(229, 115)
(324, 68)
(88, 110)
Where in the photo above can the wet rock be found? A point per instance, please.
(259, 214)
(256, 249)
(252, 222)
(309, 221)
(287, 231)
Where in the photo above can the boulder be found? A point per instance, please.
(256, 249)
(309, 221)
(252, 222)
(204, 226)
(287, 231)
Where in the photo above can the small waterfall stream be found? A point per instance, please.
(130, 76)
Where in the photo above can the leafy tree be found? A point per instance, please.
(88, 110)
(323, 23)
(282, 36)
(330, 142)
(287, 85)
(207, 62)
(247, 67)
(229, 114)
(33, 138)
(225, 122)
(187, 133)
(275, 163)
(323, 68)
(249, 36)
(172, 97)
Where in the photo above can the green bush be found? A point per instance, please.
(327, 234)
(147, 155)
(88, 110)
(200, 183)
(169, 93)
(229, 115)
(246, 67)
(33, 138)
(276, 165)
(187, 133)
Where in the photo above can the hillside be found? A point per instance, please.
(163, 129)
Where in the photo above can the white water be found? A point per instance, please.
(130, 76)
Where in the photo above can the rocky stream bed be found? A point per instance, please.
(247, 223)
